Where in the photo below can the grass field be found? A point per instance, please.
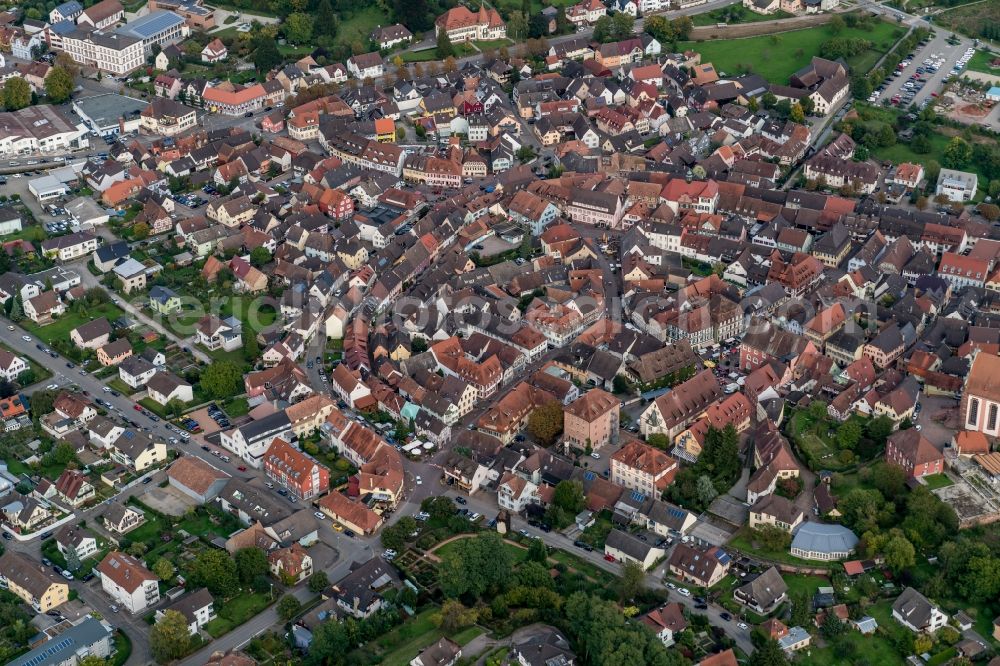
(935, 481)
(493, 44)
(236, 611)
(517, 553)
(776, 57)
(357, 26)
(60, 328)
(970, 19)
(981, 63)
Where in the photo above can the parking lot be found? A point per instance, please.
(922, 78)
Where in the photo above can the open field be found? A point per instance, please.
(357, 26)
(972, 19)
(776, 57)
(981, 63)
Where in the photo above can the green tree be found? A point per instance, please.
(706, 489)
(42, 402)
(546, 423)
(660, 28)
(59, 85)
(517, 25)
(259, 256)
(890, 480)
(164, 569)
(439, 508)
(222, 379)
(454, 616)
(318, 582)
(832, 626)
(444, 47)
(266, 55)
(899, 553)
(920, 144)
(817, 410)
(769, 653)
(215, 570)
(251, 349)
(395, 536)
(169, 638)
(72, 559)
(288, 607)
(298, 27)
(957, 153)
(796, 114)
(622, 25)
(61, 454)
(849, 434)
(631, 581)
(569, 496)
(478, 565)
(250, 563)
(880, 428)
(16, 94)
(538, 551)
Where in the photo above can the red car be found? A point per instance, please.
(242, 468)
(609, 558)
(137, 408)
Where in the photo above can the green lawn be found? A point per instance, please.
(867, 649)
(493, 44)
(808, 584)
(776, 57)
(357, 26)
(60, 328)
(236, 611)
(981, 63)
(518, 553)
(935, 481)
(419, 56)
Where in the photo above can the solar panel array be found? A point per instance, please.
(44, 655)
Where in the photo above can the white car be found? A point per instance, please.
(320, 515)
(595, 455)
(684, 592)
(743, 626)
(420, 481)
(52, 387)
(671, 586)
(106, 389)
(389, 554)
(26, 338)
